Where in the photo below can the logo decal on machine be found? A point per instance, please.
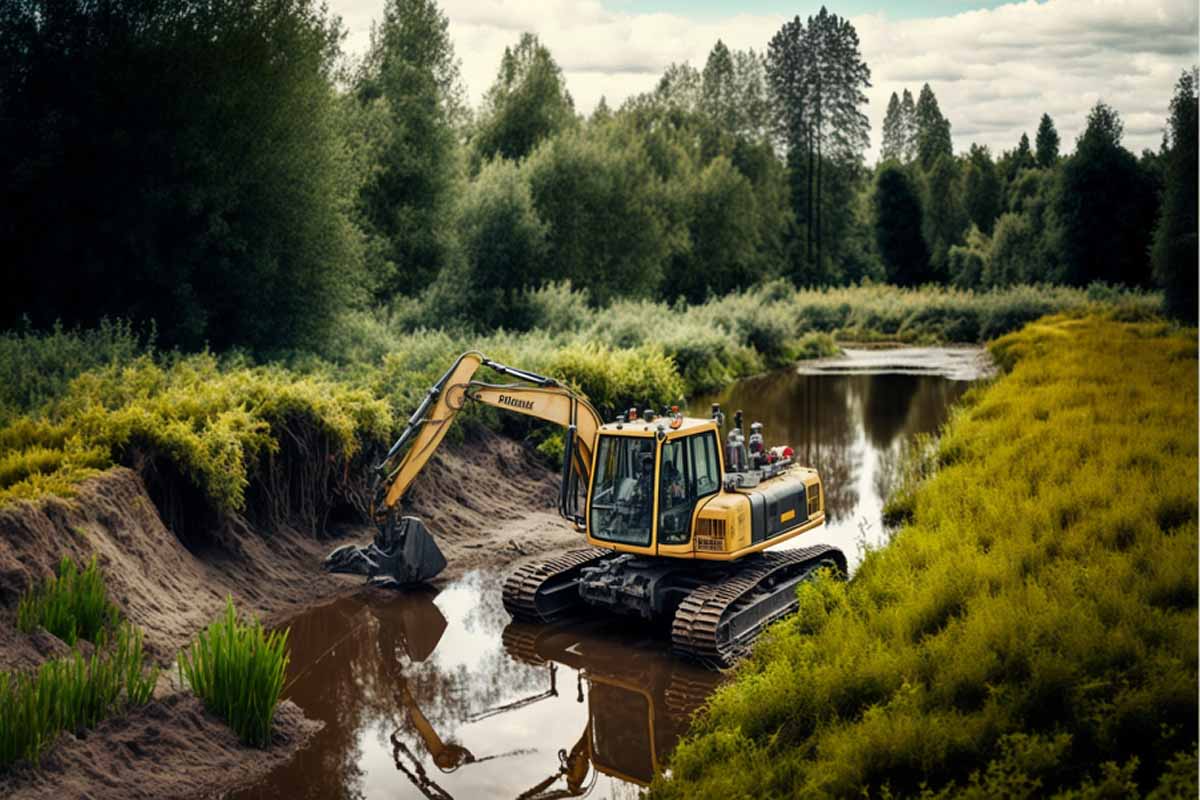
(515, 403)
(787, 515)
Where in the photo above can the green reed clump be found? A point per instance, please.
(73, 605)
(236, 668)
(1030, 631)
(72, 693)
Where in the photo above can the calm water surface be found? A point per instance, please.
(438, 694)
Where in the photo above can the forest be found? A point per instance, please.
(224, 172)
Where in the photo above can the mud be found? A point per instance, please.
(487, 501)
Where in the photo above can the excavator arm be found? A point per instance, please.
(403, 551)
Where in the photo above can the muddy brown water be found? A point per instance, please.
(439, 694)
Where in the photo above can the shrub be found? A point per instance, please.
(72, 606)
(237, 670)
(72, 693)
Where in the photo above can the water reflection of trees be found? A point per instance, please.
(830, 419)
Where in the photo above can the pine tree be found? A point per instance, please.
(892, 146)
(908, 113)
(819, 80)
(933, 130)
(1047, 143)
(982, 190)
(896, 206)
(1175, 236)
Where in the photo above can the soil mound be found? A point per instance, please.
(171, 748)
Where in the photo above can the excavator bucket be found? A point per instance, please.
(401, 554)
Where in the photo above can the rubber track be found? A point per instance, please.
(694, 629)
(521, 588)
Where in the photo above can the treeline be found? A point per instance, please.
(221, 168)
(1033, 215)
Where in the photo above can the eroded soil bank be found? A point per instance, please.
(487, 501)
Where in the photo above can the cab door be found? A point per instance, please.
(689, 473)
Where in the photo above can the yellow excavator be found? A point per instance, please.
(681, 525)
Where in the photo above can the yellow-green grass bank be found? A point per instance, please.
(1031, 631)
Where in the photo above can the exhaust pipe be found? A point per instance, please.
(402, 554)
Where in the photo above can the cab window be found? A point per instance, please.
(622, 490)
(689, 470)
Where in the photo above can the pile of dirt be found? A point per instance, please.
(487, 501)
(138, 755)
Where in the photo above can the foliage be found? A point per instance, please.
(598, 197)
(898, 214)
(1039, 639)
(72, 694)
(1173, 249)
(195, 196)
(945, 219)
(527, 104)
(982, 191)
(237, 669)
(72, 606)
(405, 201)
(1046, 143)
(504, 251)
(932, 130)
(1102, 208)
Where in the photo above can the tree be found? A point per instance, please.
(1015, 252)
(153, 168)
(982, 190)
(526, 105)
(600, 199)
(504, 249)
(818, 80)
(908, 114)
(894, 132)
(408, 200)
(932, 130)
(1047, 143)
(723, 250)
(1102, 208)
(945, 218)
(1175, 236)
(897, 213)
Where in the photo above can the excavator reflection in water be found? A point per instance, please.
(639, 700)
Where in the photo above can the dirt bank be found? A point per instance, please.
(487, 500)
(171, 748)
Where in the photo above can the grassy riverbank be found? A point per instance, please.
(231, 433)
(1032, 630)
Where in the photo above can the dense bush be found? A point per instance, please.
(1040, 638)
(237, 669)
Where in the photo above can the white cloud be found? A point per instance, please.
(994, 71)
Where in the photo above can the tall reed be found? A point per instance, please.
(72, 606)
(236, 668)
(72, 693)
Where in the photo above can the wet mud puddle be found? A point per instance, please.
(438, 694)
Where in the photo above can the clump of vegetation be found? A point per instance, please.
(1033, 625)
(237, 669)
(72, 693)
(72, 606)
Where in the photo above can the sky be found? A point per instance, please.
(995, 67)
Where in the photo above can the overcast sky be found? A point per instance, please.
(995, 67)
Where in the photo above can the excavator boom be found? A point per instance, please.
(403, 551)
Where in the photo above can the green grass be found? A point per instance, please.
(72, 694)
(237, 670)
(73, 605)
(1032, 630)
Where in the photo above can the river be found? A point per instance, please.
(438, 694)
